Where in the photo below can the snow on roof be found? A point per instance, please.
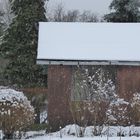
(89, 41)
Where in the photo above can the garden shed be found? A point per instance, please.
(66, 46)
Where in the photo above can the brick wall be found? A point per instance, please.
(128, 81)
(59, 92)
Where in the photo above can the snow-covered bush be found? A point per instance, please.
(16, 113)
(93, 90)
(119, 112)
(135, 105)
(75, 130)
(93, 84)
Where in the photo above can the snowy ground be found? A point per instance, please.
(85, 138)
(71, 132)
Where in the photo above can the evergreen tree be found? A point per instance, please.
(124, 11)
(1, 31)
(19, 44)
(1, 24)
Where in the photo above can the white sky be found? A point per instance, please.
(97, 6)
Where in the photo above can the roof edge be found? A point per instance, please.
(87, 62)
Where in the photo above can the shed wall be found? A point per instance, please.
(59, 91)
(128, 81)
(60, 88)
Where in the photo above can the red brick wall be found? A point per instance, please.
(59, 92)
(128, 81)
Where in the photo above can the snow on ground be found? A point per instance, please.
(33, 134)
(70, 132)
(83, 138)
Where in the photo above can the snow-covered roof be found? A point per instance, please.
(89, 43)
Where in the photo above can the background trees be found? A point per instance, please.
(1, 25)
(59, 14)
(5, 15)
(19, 44)
(124, 11)
(19, 47)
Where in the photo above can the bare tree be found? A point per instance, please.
(92, 93)
(5, 8)
(59, 14)
(1, 24)
(72, 16)
(87, 16)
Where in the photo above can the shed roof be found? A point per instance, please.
(89, 43)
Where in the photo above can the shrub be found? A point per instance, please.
(38, 127)
(16, 113)
(119, 112)
(135, 111)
